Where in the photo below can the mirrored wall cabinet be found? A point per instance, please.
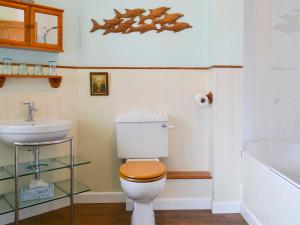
(30, 26)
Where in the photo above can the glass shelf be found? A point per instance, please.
(5, 206)
(64, 186)
(77, 161)
(7, 172)
(62, 190)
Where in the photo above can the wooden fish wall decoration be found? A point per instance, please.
(135, 20)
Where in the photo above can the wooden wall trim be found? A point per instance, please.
(141, 67)
(188, 175)
(131, 68)
(151, 68)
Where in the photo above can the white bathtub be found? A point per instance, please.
(271, 183)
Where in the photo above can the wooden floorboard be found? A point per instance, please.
(115, 214)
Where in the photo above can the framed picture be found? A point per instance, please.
(99, 84)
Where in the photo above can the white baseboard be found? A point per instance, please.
(101, 197)
(248, 215)
(182, 204)
(226, 207)
(159, 204)
(35, 210)
(176, 204)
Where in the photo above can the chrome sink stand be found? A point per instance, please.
(36, 162)
(36, 147)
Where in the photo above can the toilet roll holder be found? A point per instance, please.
(210, 98)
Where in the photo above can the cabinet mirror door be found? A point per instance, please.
(47, 29)
(14, 24)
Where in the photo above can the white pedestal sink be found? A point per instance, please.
(37, 131)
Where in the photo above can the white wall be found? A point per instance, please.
(167, 91)
(271, 72)
(172, 91)
(257, 60)
(51, 103)
(226, 140)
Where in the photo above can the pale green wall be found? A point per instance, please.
(186, 48)
(226, 32)
(216, 37)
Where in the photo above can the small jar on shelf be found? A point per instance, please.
(7, 66)
(38, 70)
(52, 68)
(23, 69)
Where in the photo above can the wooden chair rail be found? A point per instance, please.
(140, 67)
(188, 175)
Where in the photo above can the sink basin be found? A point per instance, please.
(37, 131)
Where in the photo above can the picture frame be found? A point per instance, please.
(99, 85)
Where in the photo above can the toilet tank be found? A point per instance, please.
(142, 135)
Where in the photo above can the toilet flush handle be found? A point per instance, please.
(166, 125)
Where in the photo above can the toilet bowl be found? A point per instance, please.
(142, 139)
(142, 181)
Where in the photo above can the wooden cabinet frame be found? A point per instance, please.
(30, 43)
(26, 10)
(33, 30)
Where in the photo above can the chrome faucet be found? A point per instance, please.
(31, 109)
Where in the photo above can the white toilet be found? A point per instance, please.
(142, 138)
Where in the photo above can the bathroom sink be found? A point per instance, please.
(37, 131)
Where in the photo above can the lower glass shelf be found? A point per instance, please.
(5, 174)
(5, 206)
(62, 190)
(46, 165)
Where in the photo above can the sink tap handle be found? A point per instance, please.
(30, 104)
(31, 109)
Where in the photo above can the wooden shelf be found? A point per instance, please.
(189, 175)
(53, 80)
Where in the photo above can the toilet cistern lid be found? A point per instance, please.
(142, 116)
(143, 170)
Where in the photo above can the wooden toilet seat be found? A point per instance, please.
(143, 171)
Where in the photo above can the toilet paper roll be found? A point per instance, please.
(202, 100)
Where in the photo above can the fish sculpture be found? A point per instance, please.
(109, 24)
(154, 14)
(134, 20)
(123, 27)
(130, 13)
(169, 18)
(142, 28)
(176, 27)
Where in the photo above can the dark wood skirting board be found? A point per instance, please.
(188, 175)
(141, 67)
